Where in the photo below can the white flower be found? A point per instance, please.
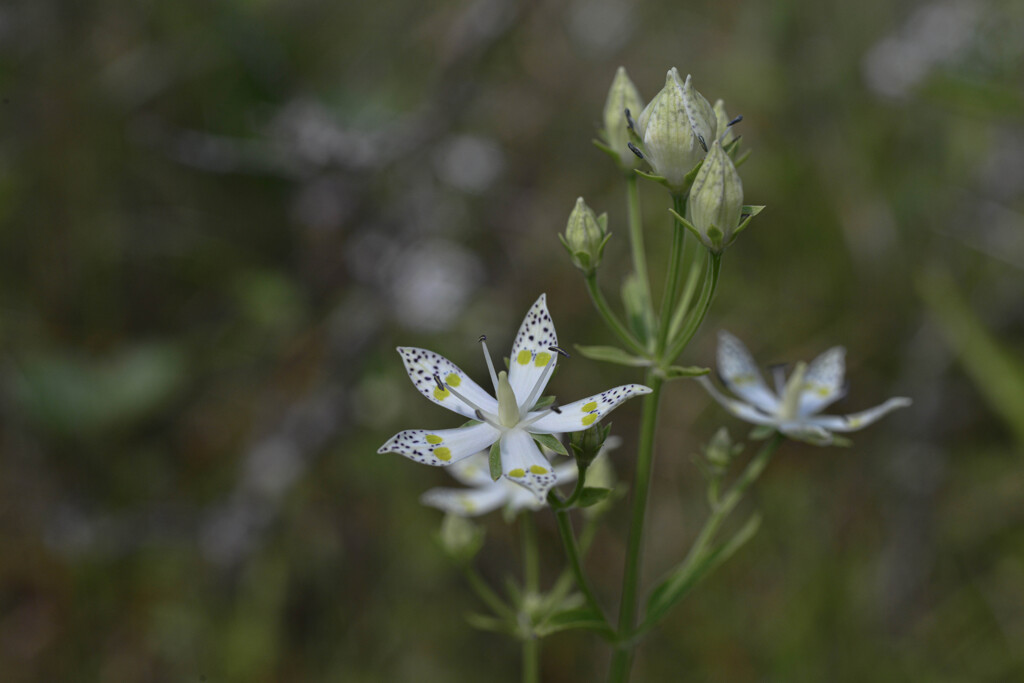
(508, 420)
(485, 494)
(794, 405)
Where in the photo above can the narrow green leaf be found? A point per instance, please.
(689, 573)
(488, 623)
(495, 460)
(549, 441)
(679, 371)
(612, 354)
(592, 495)
(578, 618)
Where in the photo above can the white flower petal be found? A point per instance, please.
(581, 414)
(851, 423)
(738, 408)
(523, 463)
(823, 383)
(809, 433)
(740, 374)
(531, 352)
(422, 365)
(474, 470)
(442, 447)
(467, 502)
(566, 472)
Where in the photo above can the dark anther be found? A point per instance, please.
(629, 120)
(700, 139)
(479, 415)
(734, 121)
(560, 351)
(440, 384)
(483, 338)
(556, 409)
(634, 150)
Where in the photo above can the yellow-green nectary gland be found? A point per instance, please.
(543, 359)
(524, 357)
(441, 394)
(589, 419)
(508, 410)
(587, 407)
(517, 472)
(453, 380)
(433, 439)
(443, 453)
(537, 469)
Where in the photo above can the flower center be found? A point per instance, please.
(791, 395)
(508, 410)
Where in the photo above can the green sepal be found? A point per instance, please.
(656, 178)
(731, 146)
(679, 371)
(469, 423)
(494, 460)
(748, 211)
(592, 495)
(542, 403)
(608, 150)
(689, 226)
(550, 442)
(602, 220)
(761, 432)
(612, 354)
(689, 573)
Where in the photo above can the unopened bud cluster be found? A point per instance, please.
(690, 147)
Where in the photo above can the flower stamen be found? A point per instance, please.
(490, 363)
(444, 386)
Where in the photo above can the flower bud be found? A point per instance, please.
(677, 128)
(725, 134)
(585, 237)
(460, 538)
(586, 445)
(716, 200)
(720, 450)
(622, 95)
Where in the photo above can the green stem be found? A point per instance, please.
(720, 512)
(531, 584)
(567, 578)
(728, 503)
(636, 235)
(610, 318)
(675, 262)
(693, 272)
(573, 554)
(623, 657)
(487, 595)
(531, 660)
(700, 312)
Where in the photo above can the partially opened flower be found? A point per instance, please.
(510, 420)
(794, 405)
(484, 494)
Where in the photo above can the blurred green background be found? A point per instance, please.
(218, 219)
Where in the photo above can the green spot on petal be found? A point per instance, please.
(587, 407)
(441, 394)
(517, 473)
(537, 469)
(443, 453)
(434, 439)
(524, 357)
(543, 359)
(453, 379)
(590, 419)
